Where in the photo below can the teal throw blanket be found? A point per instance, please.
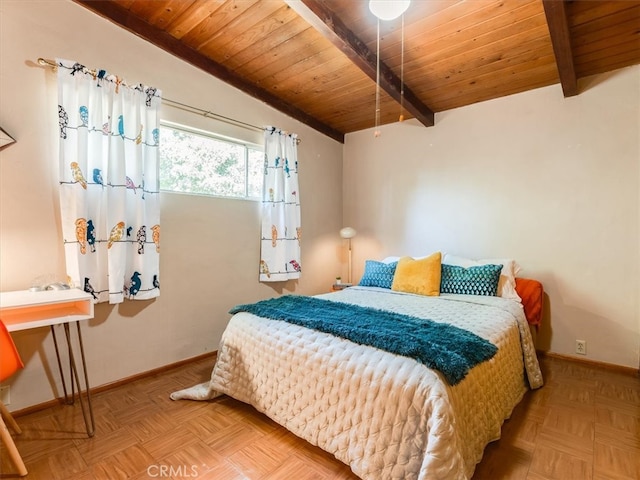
(450, 350)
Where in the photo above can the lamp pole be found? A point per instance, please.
(349, 261)
(348, 233)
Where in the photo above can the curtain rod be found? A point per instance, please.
(185, 107)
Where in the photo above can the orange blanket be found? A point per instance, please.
(531, 293)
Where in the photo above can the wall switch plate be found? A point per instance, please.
(5, 394)
(581, 347)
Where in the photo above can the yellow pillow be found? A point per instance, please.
(418, 276)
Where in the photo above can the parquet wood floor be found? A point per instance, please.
(584, 424)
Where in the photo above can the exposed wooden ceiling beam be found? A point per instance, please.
(556, 13)
(122, 17)
(316, 13)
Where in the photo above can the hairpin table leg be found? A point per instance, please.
(67, 400)
(87, 412)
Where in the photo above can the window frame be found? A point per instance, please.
(247, 146)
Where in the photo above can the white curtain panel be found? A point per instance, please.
(109, 186)
(281, 232)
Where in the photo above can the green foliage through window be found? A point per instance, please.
(197, 163)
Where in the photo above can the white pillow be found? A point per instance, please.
(507, 283)
(390, 259)
(395, 259)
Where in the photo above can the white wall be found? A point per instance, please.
(204, 271)
(550, 181)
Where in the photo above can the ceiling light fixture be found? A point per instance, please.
(388, 9)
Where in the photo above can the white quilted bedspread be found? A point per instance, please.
(387, 416)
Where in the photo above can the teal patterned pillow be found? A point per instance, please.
(378, 274)
(480, 280)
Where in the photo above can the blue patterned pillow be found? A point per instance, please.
(480, 280)
(378, 274)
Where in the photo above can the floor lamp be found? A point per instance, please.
(348, 233)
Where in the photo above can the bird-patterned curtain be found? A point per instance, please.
(280, 242)
(109, 186)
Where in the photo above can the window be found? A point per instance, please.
(192, 161)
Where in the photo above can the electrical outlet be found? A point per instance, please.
(5, 394)
(581, 347)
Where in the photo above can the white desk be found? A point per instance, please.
(23, 310)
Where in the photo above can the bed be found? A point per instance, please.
(385, 415)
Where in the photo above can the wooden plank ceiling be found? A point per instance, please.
(315, 60)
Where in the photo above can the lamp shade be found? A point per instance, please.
(348, 232)
(388, 9)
